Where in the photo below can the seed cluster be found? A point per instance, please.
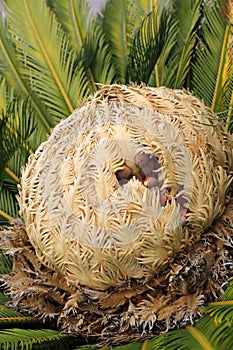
(147, 169)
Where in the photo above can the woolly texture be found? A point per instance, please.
(121, 205)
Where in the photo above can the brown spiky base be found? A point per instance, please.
(133, 311)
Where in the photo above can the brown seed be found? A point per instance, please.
(150, 182)
(181, 200)
(163, 199)
(123, 182)
(156, 162)
(125, 173)
(149, 168)
(141, 159)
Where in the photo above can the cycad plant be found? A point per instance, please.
(53, 56)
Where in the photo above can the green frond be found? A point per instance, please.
(160, 75)
(181, 42)
(17, 126)
(46, 56)
(76, 21)
(12, 70)
(86, 37)
(97, 57)
(21, 118)
(120, 21)
(147, 45)
(34, 339)
(131, 346)
(8, 206)
(228, 294)
(3, 297)
(146, 6)
(219, 335)
(74, 16)
(212, 331)
(8, 143)
(115, 26)
(211, 57)
(176, 340)
(19, 137)
(9, 317)
(5, 267)
(206, 336)
(225, 71)
(220, 310)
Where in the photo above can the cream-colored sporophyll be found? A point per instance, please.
(126, 215)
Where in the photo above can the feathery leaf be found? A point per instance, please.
(181, 42)
(29, 339)
(115, 24)
(211, 57)
(46, 56)
(147, 46)
(12, 70)
(5, 267)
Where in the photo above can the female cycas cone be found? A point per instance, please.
(126, 216)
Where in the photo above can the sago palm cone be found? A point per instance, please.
(127, 216)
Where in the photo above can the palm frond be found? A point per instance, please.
(213, 57)
(88, 348)
(46, 56)
(131, 346)
(11, 69)
(228, 295)
(8, 143)
(218, 335)
(75, 19)
(3, 297)
(160, 74)
(147, 45)
(182, 340)
(178, 62)
(5, 267)
(8, 206)
(114, 24)
(18, 338)
(9, 317)
(97, 57)
(204, 336)
(121, 21)
(86, 37)
(16, 128)
(74, 16)
(221, 310)
(19, 137)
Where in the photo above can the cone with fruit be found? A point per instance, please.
(126, 211)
